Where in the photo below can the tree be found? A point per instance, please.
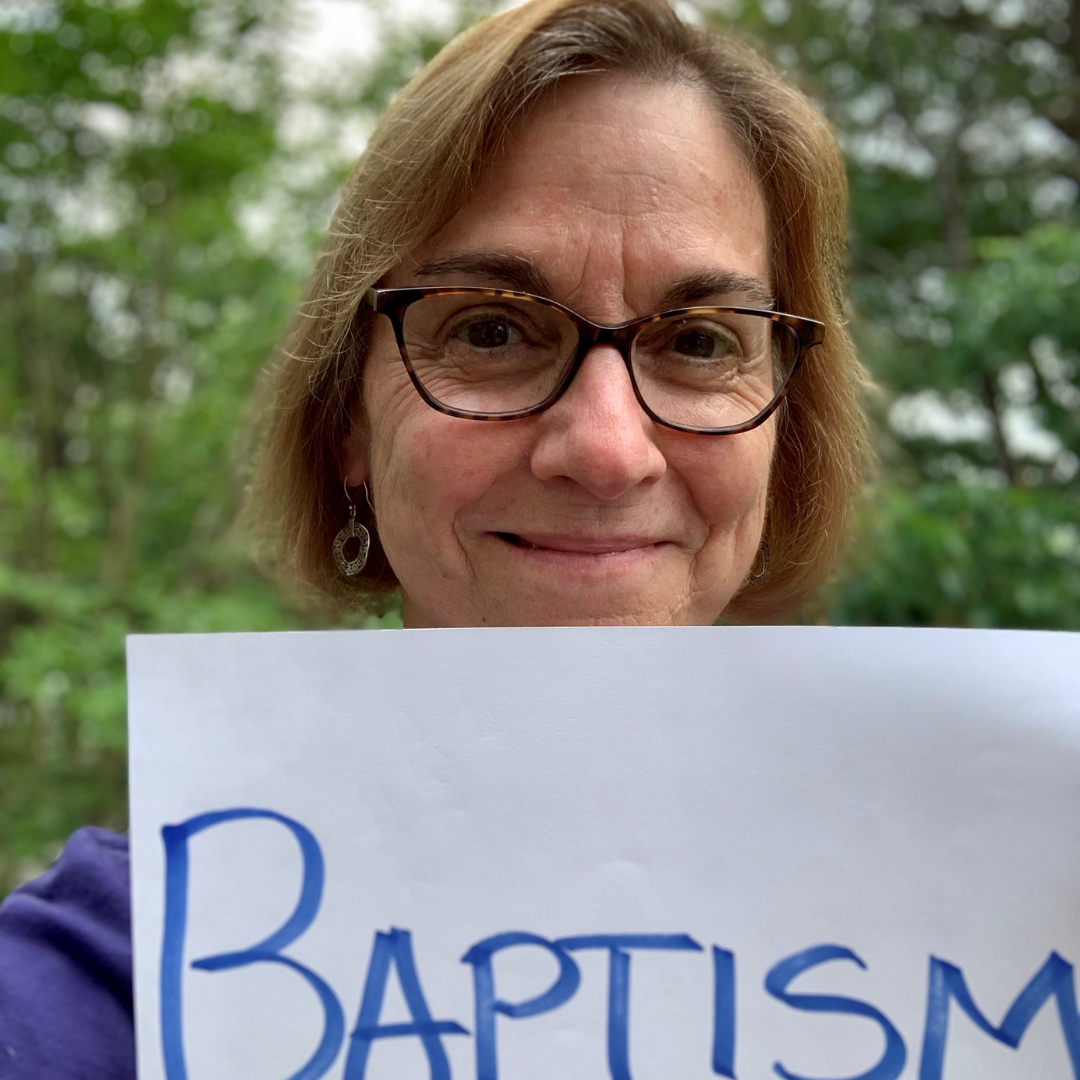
(960, 122)
(135, 311)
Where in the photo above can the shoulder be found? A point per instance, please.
(65, 966)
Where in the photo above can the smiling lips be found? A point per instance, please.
(578, 545)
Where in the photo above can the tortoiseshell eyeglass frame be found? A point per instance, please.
(393, 303)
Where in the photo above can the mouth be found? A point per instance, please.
(576, 545)
(516, 541)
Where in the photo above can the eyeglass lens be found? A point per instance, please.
(502, 355)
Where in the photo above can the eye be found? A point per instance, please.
(697, 343)
(488, 332)
(700, 343)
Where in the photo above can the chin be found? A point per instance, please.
(600, 611)
(554, 602)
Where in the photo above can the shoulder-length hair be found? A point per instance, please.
(420, 166)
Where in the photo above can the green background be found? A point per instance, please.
(166, 169)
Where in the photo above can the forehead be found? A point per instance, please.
(614, 188)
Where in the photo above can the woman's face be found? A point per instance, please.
(615, 197)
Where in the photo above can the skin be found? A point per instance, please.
(614, 190)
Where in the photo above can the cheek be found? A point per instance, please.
(728, 478)
(426, 468)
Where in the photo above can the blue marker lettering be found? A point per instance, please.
(947, 982)
(723, 1052)
(176, 839)
(776, 983)
(396, 948)
(488, 1005)
(618, 1032)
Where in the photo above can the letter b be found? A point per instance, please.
(176, 839)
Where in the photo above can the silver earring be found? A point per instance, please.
(352, 530)
(761, 563)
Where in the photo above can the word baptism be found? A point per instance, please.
(394, 949)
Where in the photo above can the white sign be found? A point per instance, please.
(579, 854)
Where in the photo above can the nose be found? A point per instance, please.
(597, 434)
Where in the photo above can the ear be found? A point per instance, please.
(353, 456)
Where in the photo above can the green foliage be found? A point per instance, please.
(135, 313)
(960, 120)
(946, 554)
(156, 219)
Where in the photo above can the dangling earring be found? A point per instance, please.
(761, 563)
(349, 567)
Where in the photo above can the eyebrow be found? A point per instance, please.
(709, 283)
(521, 274)
(516, 271)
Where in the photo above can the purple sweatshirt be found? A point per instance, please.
(65, 967)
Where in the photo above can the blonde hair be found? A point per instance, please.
(422, 163)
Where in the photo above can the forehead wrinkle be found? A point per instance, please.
(618, 227)
(637, 191)
(651, 205)
(597, 293)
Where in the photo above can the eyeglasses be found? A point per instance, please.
(489, 354)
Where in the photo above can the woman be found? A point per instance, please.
(541, 376)
(611, 158)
